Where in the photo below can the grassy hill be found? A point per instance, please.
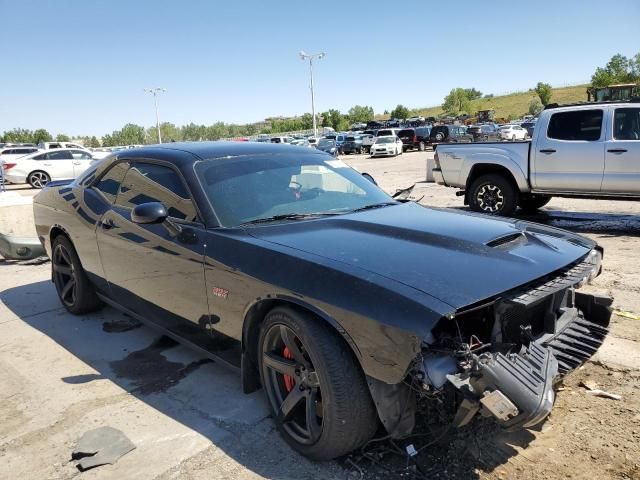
(515, 104)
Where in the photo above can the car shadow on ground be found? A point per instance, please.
(612, 224)
(193, 390)
(208, 398)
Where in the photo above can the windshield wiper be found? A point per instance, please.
(286, 216)
(372, 206)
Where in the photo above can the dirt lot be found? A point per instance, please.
(61, 376)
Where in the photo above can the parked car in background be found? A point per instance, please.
(387, 132)
(512, 132)
(280, 139)
(339, 138)
(449, 134)
(39, 168)
(368, 137)
(313, 141)
(9, 154)
(352, 144)
(484, 133)
(590, 150)
(386, 145)
(529, 126)
(348, 308)
(414, 138)
(300, 142)
(327, 145)
(50, 145)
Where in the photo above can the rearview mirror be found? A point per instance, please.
(151, 212)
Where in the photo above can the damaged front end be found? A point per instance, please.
(502, 358)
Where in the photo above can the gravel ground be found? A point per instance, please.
(61, 376)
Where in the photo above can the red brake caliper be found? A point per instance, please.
(289, 382)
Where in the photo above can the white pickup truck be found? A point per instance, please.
(587, 149)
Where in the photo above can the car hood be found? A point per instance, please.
(458, 258)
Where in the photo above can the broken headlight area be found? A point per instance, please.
(503, 357)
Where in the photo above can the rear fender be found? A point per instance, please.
(485, 162)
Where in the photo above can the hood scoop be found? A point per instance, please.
(503, 240)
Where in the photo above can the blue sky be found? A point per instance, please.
(80, 66)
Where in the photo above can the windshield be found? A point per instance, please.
(245, 189)
(385, 140)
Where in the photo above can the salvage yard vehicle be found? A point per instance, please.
(352, 144)
(39, 168)
(484, 133)
(387, 145)
(581, 150)
(512, 132)
(346, 306)
(449, 134)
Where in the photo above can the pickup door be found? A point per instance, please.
(569, 151)
(622, 156)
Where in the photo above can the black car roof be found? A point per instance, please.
(220, 149)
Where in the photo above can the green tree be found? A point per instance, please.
(168, 132)
(456, 102)
(472, 93)
(18, 135)
(193, 132)
(535, 106)
(619, 69)
(130, 134)
(107, 141)
(41, 135)
(94, 142)
(335, 119)
(61, 137)
(544, 92)
(360, 114)
(400, 111)
(306, 122)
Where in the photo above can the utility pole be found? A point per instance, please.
(305, 56)
(155, 91)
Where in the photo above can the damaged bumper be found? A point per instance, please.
(517, 388)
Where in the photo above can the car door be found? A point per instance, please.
(58, 164)
(151, 269)
(81, 161)
(622, 152)
(569, 152)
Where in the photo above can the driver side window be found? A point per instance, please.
(147, 182)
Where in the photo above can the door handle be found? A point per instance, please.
(76, 163)
(548, 150)
(617, 150)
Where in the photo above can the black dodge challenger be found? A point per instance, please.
(346, 306)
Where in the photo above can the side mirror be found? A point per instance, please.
(151, 212)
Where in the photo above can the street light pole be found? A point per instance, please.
(155, 91)
(310, 57)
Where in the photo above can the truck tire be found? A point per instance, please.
(493, 194)
(531, 203)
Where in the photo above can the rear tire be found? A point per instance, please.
(329, 410)
(38, 179)
(531, 203)
(493, 194)
(75, 291)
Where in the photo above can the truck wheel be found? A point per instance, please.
(531, 203)
(493, 194)
(317, 393)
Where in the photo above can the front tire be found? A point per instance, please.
(75, 291)
(531, 203)
(493, 194)
(317, 393)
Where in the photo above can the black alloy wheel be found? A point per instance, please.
(75, 291)
(316, 390)
(64, 275)
(493, 194)
(292, 385)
